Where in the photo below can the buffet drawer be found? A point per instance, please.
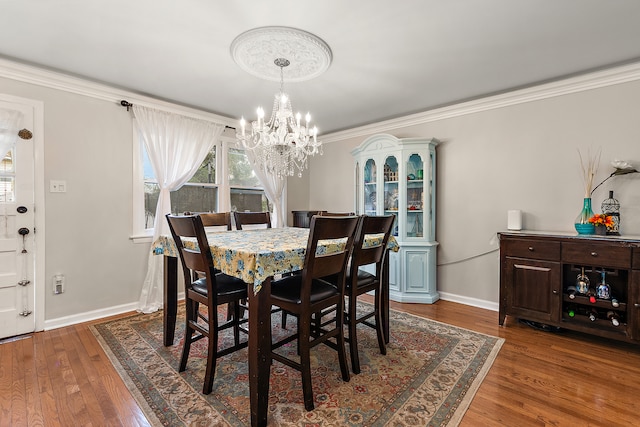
(596, 254)
(533, 249)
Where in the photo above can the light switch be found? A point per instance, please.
(57, 186)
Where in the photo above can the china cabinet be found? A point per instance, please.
(398, 176)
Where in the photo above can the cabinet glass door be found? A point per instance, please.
(370, 188)
(391, 193)
(415, 197)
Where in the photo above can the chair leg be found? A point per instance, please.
(379, 323)
(342, 353)
(284, 319)
(236, 324)
(188, 333)
(353, 337)
(243, 303)
(304, 329)
(210, 372)
(230, 310)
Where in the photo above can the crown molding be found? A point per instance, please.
(594, 80)
(584, 82)
(55, 80)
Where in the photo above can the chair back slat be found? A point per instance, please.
(363, 255)
(252, 218)
(325, 213)
(216, 219)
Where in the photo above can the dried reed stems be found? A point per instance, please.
(589, 170)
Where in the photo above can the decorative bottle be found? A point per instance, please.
(613, 317)
(603, 291)
(571, 292)
(611, 207)
(591, 294)
(593, 314)
(582, 224)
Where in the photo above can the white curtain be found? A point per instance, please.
(176, 146)
(273, 188)
(10, 121)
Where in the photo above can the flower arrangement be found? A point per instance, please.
(600, 220)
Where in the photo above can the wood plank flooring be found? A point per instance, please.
(63, 378)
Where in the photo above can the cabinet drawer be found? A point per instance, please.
(591, 253)
(533, 249)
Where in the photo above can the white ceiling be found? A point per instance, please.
(390, 58)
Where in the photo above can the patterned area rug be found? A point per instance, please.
(428, 377)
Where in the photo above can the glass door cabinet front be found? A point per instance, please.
(397, 176)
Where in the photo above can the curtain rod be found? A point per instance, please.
(127, 104)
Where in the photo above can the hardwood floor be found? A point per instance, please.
(63, 378)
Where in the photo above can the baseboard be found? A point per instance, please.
(88, 316)
(124, 308)
(489, 305)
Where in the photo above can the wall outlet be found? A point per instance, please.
(58, 284)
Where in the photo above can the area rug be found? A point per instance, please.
(428, 377)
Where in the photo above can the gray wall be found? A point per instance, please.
(522, 156)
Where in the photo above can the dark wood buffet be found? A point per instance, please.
(584, 283)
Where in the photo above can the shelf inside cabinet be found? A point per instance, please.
(600, 303)
(584, 324)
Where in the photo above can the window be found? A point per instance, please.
(224, 182)
(200, 194)
(244, 186)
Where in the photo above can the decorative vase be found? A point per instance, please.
(582, 224)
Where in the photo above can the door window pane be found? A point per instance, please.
(7, 178)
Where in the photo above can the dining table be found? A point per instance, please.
(256, 257)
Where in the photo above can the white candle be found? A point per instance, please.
(260, 117)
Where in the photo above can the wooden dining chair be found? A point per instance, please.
(252, 218)
(359, 281)
(307, 293)
(221, 221)
(211, 290)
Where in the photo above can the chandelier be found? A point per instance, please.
(283, 143)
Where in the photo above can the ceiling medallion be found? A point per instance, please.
(256, 50)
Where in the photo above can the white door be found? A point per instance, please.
(17, 288)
